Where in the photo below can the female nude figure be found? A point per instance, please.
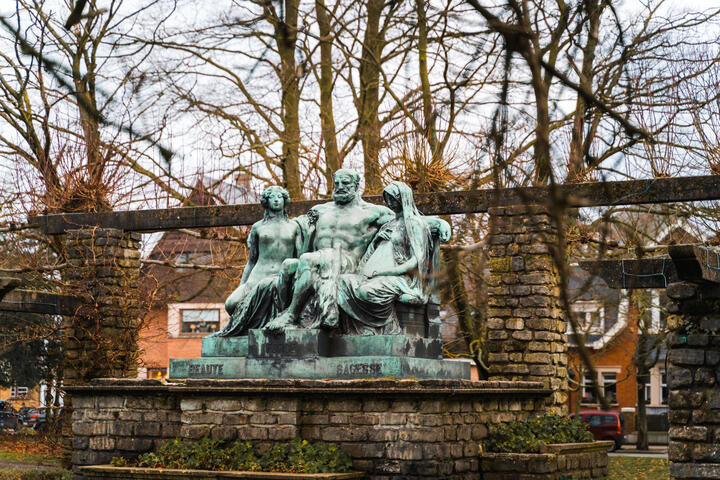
(396, 265)
(259, 297)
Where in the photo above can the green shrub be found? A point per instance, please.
(302, 456)
(526, 436)
(295, 456)
(118, 462)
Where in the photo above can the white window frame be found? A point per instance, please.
(175, 317)
(19, 392)
(588, 307)
(655, 318)
(600, 382)
(656, 386)
(585, 388)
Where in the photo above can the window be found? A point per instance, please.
(195, 319)
(656, 389)
(588, 395)
(199, 321)
(607, 380)
(18, 393)
(609, 383)
(590, 317)
(156, 372)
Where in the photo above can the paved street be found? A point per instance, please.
(656, 451)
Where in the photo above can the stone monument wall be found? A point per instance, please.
(406, 429)
(526, 326)
(694, 382)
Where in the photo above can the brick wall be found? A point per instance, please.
(392, 428)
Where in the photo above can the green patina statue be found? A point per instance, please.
(397, 266)
(340, 267)
(262, 293)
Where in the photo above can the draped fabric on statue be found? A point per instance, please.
(368, 302)
(261, 303)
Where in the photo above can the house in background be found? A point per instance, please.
(610, 333)
(610, 321)
(187, 303)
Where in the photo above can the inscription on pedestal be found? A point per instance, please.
(359, 368)
(213, 370)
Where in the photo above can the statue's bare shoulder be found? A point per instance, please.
(379, 214)
(322, 207)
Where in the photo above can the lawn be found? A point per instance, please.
(30, 457)
(637, 468)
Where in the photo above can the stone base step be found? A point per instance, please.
(316, 368)
(309, 343)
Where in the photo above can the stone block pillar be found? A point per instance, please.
(694, 381)
(526, 327)
(101, 339)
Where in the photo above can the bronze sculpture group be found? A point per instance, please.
(341, 267)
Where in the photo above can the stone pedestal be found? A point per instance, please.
(308, 353)
(694, 381)
(526, 327)
(401, 429)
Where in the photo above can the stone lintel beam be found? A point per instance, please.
(696, 263)
(658, 190)
(8, 284)
(633, 273)
(40, 302)
(689, 263)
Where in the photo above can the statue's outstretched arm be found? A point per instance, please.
(439, 228)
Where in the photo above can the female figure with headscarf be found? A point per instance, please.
(260, 295)
(396, 266)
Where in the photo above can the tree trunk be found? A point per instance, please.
(543, 166)
(368, 121)
(642, 436)
(578, 397)
(327, 117)
(459, 298)
(428, 113)
(578, 142)
(286, 38)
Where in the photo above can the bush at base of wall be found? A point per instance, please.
(296, 456)
(530, 434)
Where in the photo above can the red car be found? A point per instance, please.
(604, 425)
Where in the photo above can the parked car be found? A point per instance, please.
(9, 420)
(604, 425)
(29, 416)
(39, 419)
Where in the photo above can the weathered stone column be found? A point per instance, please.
(100, 340)
(694, 381)
(526, 327)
